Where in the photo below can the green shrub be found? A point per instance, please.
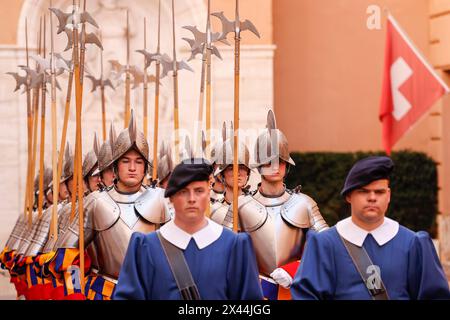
(413, 184)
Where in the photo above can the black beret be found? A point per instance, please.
(366, 171)
(189, 170)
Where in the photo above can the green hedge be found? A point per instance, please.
(413, 184)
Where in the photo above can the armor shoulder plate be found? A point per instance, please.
(298, 209)
(89, 204)
(151, 206)
(252, 214)
(219, 212)
(104, 210)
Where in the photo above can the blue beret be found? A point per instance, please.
(190, 170)
(366, 171)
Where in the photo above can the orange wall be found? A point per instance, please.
(9, 15)
(328, 71)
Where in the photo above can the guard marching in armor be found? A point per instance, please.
(276, 218)
(66, 261)
(221, 210)
(115, 213)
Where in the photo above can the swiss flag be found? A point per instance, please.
(410, 85)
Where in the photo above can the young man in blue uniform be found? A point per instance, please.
(222, 263)
(369, 256)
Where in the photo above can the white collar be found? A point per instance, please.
(356, 235)
(180, 238)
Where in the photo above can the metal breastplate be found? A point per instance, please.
(170, 210)
(92, 252)
(216, 196)
(111, 242)
(14, 238)
(63, 218)
(153, 206)
(276, 241)
(26, 235)
(40, 233)
(222, 213)
(69, 238)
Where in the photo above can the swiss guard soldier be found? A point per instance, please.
(18, 232)
(115, 213)
(9, 256)
(276, 218)
(38, 238)
(47, 201)
(66, 260)
(367, 255)
(221, 210)
(53, 284)
(212, 261)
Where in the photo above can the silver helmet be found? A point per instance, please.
(272, 144)
(90, 159)
(187, 152)
(130, 138)
(105, 155)
(225, 156)
(226, 134)
(68, 164)
(165, 161)
(48, 177)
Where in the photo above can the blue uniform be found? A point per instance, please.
(410, 268)
(225, 269)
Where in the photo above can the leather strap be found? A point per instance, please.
(366, 268)
(180, 270)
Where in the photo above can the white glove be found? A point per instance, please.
(281, 276)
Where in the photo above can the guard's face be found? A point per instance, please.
(274, 171)
(70, 185)
(242, 176)
(369, 203)
(131, 168)
(107, 176)
(93, 182)
(49, 196)
(190, 203)
(63, 191)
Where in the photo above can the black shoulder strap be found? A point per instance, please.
(367, 270)
(180, 270)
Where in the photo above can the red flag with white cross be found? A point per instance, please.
(410, 86)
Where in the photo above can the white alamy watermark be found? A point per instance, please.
(373, 21)
(373, 282)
